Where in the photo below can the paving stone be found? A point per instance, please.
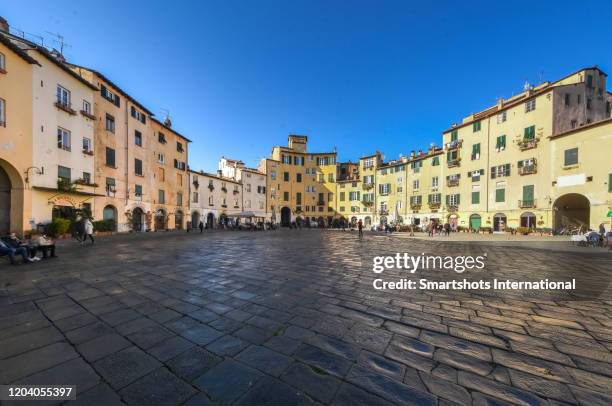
(264, 359)
(150, 336)
(498, 390)
(164, 316)
(413, 360)
(227, 381)
(202, 334)
(382, 365)
(199, 400)
(34, 361)
(415, 346)
(298, 333)
(373, 339)
(465, 347)
(269, 391)
(388, 388)
(335, 346)
(480, 399)
(9, 347)
(543, 387)
(227, 345)
(282, 344)
(238, 315)
(74, 372)
(124, 367)
(89, 332)
(319, 386)
(100, 395)
(102, 346)
(590, 380)
(445, 389)
(590, 397)
(402, 329)
(253, 335)
(160, 387)
(322, 360)
(192, 363)
(120, 316)
(74, 322)
(170, 348)
(462, 361)
(535, 366)
(225, 325)
(351, 395)
(182, 324)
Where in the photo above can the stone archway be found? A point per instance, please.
(178, 220)
(528, 220)
(210, 220)
(368, 221)
(109, 214)
(285, 216)
(12, 207)
(572, 210)
(138, 219)
(160, 220)
(500, 222)
(195, 219)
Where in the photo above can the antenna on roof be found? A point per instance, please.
(60, 40)
(167, 121)
(541, 77)
(527, 85)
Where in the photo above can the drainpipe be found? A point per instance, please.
(488, 177)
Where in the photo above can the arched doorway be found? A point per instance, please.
(285, 216)
(223, 220)
(499, 222)
(178, 220)
(528, 220)
(160, 220)
(109, 214)
(5, 202)
(571, 211)
(383, 220)
(368, 221)
(210, 220)
(138, 218)
(195, 219)
(475, 222)
(321, 222)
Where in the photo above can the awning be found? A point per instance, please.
(244, 214)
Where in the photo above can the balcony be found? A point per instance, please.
(236, 191)
(367, 186)
(88, 152)
(415, 206)
(453, 163)
(383, 212)
(527, 204)
(211, 187)
(452, 207)
(452, 182)
(434, 205)
(87, 114)
(367, 202)
(526, 144)
(65, 185)
(65, 107)
(528, 170)
(449, 146)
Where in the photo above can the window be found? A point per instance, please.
(138, 115)
(110, 96)
(286, 196)
(571, 156)
(475, 197)
(500, 171)
(286, 159)
(2, 113)
(273, 175)
(86, 107)
(342, 196)
(416, 200)
(567, 99)
(298, 198)
(321, 178)
(211, 201)
(454, 135)
(610, 183)
(63, 96)
(161, 174)
(368, 163)
(435, 161)
(86, 144)
(110, 185)
(110, 157)
(179, 179)
(589, 104)
(354, 196)
(330, 177)
(138, 166)
(530, 105)
(590, 81)
(180, 165)
(476, 126)
(500, 144)
(2, 62)
(434, 182)
(501, 117)
(179, 198)
(138, 138)
(434, 198)
(475, 175)
(500, 195)
(368, 179)
(179, 147)
(63, 139)
(475, 152)
(298, 177)
(138, 190)
(415, 184)
(286, 176)
(110, 123)
(579, 99)
(384, 188)
(87, 178)
(63, 173)
(161, 196)
(161, 138)
(608, 108)
(528, 195)
(161, 158)
(453, 200)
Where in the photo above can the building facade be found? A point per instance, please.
(214, 199)
(253, 185)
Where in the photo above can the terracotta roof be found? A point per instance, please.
(114, 85)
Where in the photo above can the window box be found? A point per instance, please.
(224, 205)
(383, 212)
(211, 187)
(452, 207)
(88, 152)
(65, 185)
(434, 205)
(236, 191)
(65, 107)
(526, 204)
(526, 144)
(83, 182)
(528, 170)
(415, 206)
(454, 163)
(88, 115)
(368, 186)
(196, 184)
(452, 182)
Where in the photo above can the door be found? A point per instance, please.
(475, 222)
(5, 203)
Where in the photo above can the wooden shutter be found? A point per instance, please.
(493, 174)
(507, 170)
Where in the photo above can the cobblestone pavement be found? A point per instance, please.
(291, 318)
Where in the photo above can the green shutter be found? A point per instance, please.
(520, 164)
(507, 170)
(500, 195)
(454, 135)
(458, 199)
(528, 193)
(475, 197)
(610, 183)
(529, 133)
(493, 174)
(448, 156)
(447, 200)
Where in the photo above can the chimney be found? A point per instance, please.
(4, 25)
(412, 154)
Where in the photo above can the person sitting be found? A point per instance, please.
(46, 246)
(14, 242)
(5, 249)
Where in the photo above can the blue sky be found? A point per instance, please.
(239, 76)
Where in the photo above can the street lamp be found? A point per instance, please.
(35, 170)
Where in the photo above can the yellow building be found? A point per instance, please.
(301, 185)
(500, 163)
(424, 187)
(355, 190)
(16, 167)
(391, 181)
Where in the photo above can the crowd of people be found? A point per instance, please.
(13, 247)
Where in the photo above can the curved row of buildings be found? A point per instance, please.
(73, 141)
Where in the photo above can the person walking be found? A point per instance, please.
(201, 227)
(447, 228)
(88, 230)
(360, 229)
